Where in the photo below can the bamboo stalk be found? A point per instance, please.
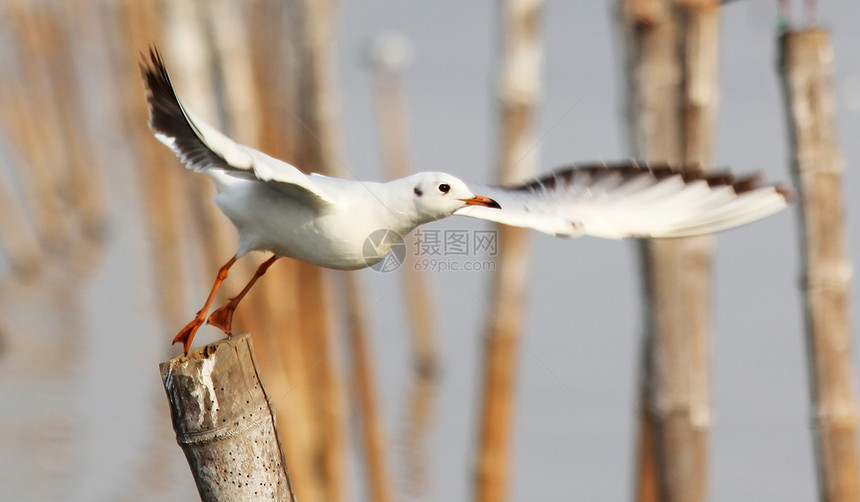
(373, 433)
(519, 92)
(286, 359)
(225, 423)
(321, 147)
(17, 239)
(291, 295)
(48, 247)
(671, 62)
(19, 236)
(647, 32)
(159, 175)
(82, 179)
(217, 80)
(318, 149)
(647, 482)
(699, 35)
(194, 69)
(389, 57)
(394, 138)
(140, 24)
(36, 130)
(806, 70)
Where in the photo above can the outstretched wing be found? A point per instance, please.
(202, 148)
(631, 200)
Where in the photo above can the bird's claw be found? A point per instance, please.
(186, 334)
(223, 319)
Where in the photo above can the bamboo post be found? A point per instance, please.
(277, 302)
(38, 129)
(320, 141)
(671, 62)
(225, 423)
(49, 246)
(279, 298)
(806, 69)
(519, 92)
(158, 173)
(389, 57)
(372, 430)
(318, 149)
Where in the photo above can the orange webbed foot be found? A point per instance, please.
(186, 335)
(223, 318)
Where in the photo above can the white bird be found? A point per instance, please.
(326, 221)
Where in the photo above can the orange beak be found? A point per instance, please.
(479, 200)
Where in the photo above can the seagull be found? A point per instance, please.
(326, 221)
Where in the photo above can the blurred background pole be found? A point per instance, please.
(806, 70)
(276, 315)
(227, 80)
(141, 24)
(390, 55)
(321, 151)
(671, 53)
(520, 63)
(316, 116)
(53, 218)
(372, 430)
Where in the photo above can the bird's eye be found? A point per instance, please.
(444, 187)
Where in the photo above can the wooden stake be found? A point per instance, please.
(389, 57)
(519, 92)
(159, 176)
(318, 149)
(806, 68)
(372, 429)
(225, 423)
(671, 62)
(301, 361)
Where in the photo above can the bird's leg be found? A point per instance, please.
(186, 335)
(223, 317)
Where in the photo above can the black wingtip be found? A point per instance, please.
(787, 193)
(689, 172)
(152, 69)
(166, 115)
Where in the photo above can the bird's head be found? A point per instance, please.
(438, 195)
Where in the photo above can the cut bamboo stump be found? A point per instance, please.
(225, 423)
